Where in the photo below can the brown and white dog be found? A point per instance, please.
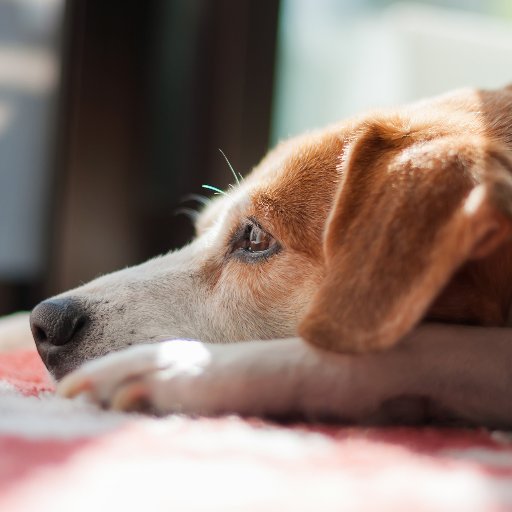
(350, 256)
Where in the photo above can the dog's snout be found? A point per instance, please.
(57, 321)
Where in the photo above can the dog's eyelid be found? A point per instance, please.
(255, 222)
(277, 241)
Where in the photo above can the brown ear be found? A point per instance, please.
(408, 213)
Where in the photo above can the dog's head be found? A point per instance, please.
(345, 236)
(250, 272)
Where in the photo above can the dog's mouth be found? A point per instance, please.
(58, 361)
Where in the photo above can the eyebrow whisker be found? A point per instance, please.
(238, 177)
(215, 190)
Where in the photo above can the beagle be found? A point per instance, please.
(366, 266)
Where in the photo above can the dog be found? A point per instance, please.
(367, 267)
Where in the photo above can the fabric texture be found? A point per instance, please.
(61, 455)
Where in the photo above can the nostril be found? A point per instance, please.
(39, 334)
(79, 325)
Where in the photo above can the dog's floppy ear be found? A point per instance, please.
(411, 208)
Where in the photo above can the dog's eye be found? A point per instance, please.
(258, 240)
(254, 242)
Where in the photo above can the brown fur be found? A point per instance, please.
(399, 244)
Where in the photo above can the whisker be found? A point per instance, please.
(237, 177)
(205, 201)
(165, 337)
(188, 212)
(215, 189)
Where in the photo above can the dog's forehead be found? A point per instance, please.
(308, 153)
(299, 180)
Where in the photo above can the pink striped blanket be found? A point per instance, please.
(62, 455)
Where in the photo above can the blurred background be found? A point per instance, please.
(111, 113)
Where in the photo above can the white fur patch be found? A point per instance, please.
(474, 200)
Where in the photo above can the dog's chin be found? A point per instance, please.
(58, 372)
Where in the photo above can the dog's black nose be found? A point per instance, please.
(57, 321)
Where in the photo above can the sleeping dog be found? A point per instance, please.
(367, 267)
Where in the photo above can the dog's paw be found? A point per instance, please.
(160, 378)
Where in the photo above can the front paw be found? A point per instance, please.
(159, 378)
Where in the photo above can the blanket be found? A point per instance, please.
(67, 455)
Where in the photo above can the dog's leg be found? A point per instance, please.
(443, 371)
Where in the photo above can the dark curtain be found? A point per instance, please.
(150, 91)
